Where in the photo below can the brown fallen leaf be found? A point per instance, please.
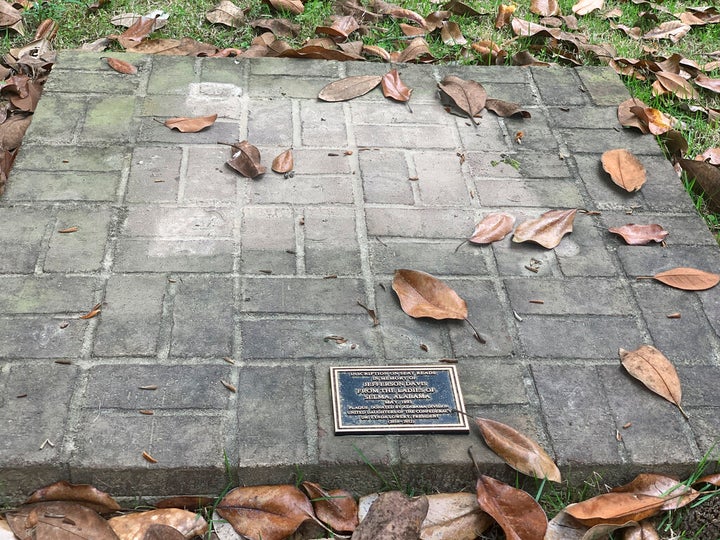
(229, 386)
(423, 295)
(493, 227)
(707, 83)
(615, 508)
(157, 531)
(246, 160)
(59, 519)
(711, 156)
(336, 508)
(545, 8)
(84, 494)
(672, 490)
(672, 30)
(394, 11)
(517, 513)
(624, 168)
(13, 130)
(454, 516)
(676, 85)
(295, 7)
(68, 230)
(94, 312)
(648, 365)
(547, 230)
(121, 66)
(137, 32)
(638, 235)
(191, 125)
(641, 531)
(283, 163)
(451, 34)
(267, 512)
(628, 118)
(706, 181)
(687, 279)
(341, 28)
(504, 15)
(349, 88)
(506, 109)
(226, 13)
(393, 515)
(468, 96)
(147, 457)
(656, 121)
(713, 479)
(520, 452)
(394, 88)
(583, 7)
(135, 525)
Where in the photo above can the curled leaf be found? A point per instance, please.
(246, 160)
(58, 519)
(393, 515)
(545, 8)
(468, 96)
(583, 7)
(226, 13)
(336, 508)
(624, 169)
(504, 14)
(394, 88)
(548, 229)
(520, 517)
(423, 295)
(615, 508)
(654, 370)
(283, 163)
(492, 228)
(672, 490)
(84, 494)
(638, 235)
(520, 452)
(349, 88)
(506, 109)
(454, 516)
(191, 125)
(136, 524)
(706, 181)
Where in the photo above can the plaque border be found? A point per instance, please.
(461, 427)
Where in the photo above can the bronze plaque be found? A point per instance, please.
(397, 399)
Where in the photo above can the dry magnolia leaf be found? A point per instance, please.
(423, 295)
(394, 88)
(520, 452)
(615, 508)
(711, 155)
(295, 7)
(349, 88)
(341, 27)
(267, 512)
(706, 181)
(672, 30)
(468, 96)
(13, 130)
(336, 508)
(676, 84)
(638, 235)
(121, 66)
(393, 515)
(451, 34)
(246, 160)
(504, 15)
(672, 490)
(135, 525)
(583, 7)
(283, 163)
(454, 516)
(642, 531)
(656, 121)
(548, 229)
(84, 494)
(506, 109)
(624, 169)
(545, 8)
(191, 125)
(492, 228)
(687, 279)
(226, 13)
(654, 370)
(59, 519)
(517, 513)
(708, 83)
(628, 118)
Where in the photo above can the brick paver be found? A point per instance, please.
(204, 276)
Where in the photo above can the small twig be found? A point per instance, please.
(461, 245)
(476, 335)
(407, 104)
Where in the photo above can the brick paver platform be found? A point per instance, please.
(193, 263)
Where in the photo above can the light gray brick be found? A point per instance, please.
(603, 84)
(40, 336)
(203, 317)
(270, 122)
(65, 186)
(322, 123)
(402, 135)
(558, 86)
(485, 136)
(397, 113)
(331, 245)
(154, 131)
(307, 339)
(385, 177)
(131, 316)
(597, 141)
(171, 75)
(54, 293)
(440, 179)
(154, 174)
(209, 179)
(268, 240)
(272, 86)
(82, 250)
(298, 295)
(172, 222)
(540, 192)
(160, 255)
(388, 256)
(21, 231)
(301, 189)
(420, 222)
(109, 119)
(650, 260)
